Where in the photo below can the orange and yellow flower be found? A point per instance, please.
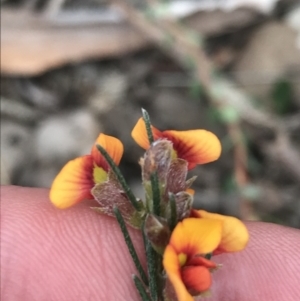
(75, 181)
(203, 233)
(194, 146)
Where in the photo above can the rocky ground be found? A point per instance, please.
(52, 116)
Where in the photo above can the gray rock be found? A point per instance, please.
(16, 147)
(63, 137)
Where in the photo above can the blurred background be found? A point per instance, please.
(73, 68)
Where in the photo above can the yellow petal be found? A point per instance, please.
(235, 235)
(139, 134)
(172, 268)
(99, 175)
(112, 145)
(195, 146)
(195, 236)
(74, 183)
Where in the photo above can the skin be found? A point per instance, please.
(77, 254)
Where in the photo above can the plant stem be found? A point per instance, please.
(155, 193)
(152, 269)
(173, 217)
(140, 288)
(130, 245)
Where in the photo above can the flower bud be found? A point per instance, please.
(157, 159)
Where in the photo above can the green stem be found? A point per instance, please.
(155, 193)
(152, 270)
(140, 288)
(147, 121)
(173, 218)
(130, 245)
(151, 256)
(120, 177)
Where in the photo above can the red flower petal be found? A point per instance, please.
(200, 260)
(196, 278)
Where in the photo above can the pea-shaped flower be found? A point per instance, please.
(76, 179)
(184, 258)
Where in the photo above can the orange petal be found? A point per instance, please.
(195, 146)
(190, 191)
(74, 183)
(195, 236)
(172, 268)
(235, 235)
(196, 278)
(112, 145)
(139, 134)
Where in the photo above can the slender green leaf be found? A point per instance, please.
(155, 193)
(146, 118)
(152, 257)
(140, 288)
(152, 270)
(130, 245)
(173, 217)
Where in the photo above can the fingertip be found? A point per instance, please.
(75, 254)
(53, 254)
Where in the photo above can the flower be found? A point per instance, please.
(76, 179)
(184, 258)
(194, 146)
